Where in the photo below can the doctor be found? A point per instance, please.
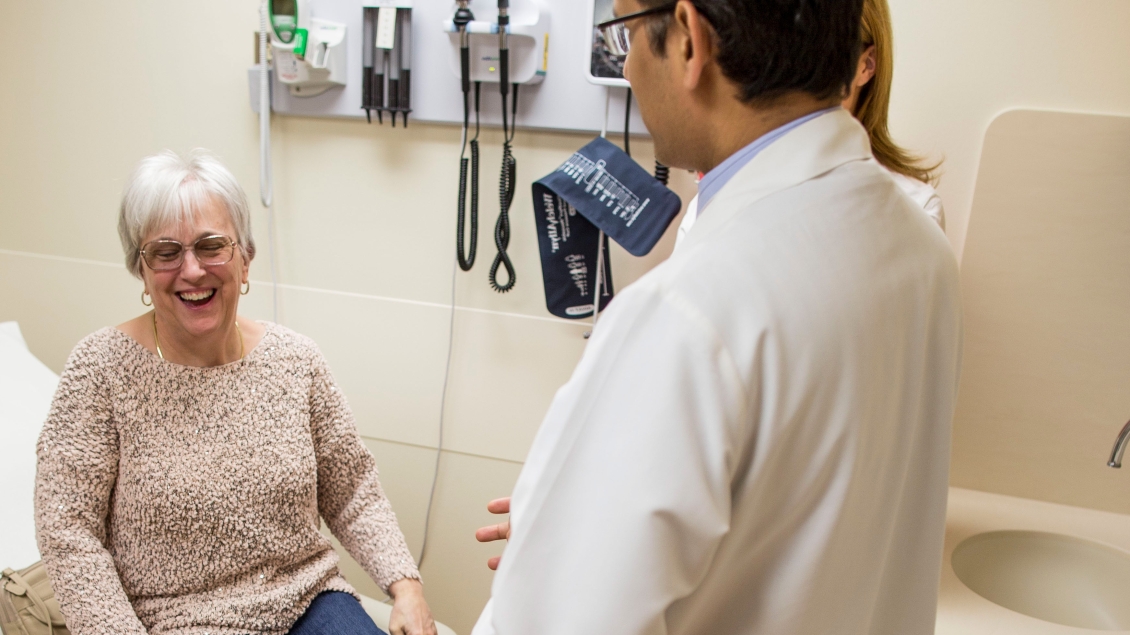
(868, 99)
(756, 439)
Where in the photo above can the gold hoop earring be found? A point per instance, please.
(143, 294)
(246, 290)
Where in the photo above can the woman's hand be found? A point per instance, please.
(410, 612)
(500, 531)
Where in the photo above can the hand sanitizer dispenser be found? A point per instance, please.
(309, 54)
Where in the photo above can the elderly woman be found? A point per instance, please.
(190, 452)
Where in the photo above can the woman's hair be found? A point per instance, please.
(166, 189)
(875, 97)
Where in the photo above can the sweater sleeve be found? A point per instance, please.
(75, 476)
(350, 497)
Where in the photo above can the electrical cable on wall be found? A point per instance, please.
(628, 124)
(442, 413)
(602, 241)
(265, 183)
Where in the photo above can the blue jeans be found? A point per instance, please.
(335, 613)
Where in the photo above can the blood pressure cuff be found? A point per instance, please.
(600, 188)
(570, 247)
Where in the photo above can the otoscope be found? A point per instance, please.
(463, 17)
(507, 180)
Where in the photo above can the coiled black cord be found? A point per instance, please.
(467, 261)
(662, 173)
(506, 187)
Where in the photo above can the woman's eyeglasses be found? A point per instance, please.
(615, 32)
(166, 255)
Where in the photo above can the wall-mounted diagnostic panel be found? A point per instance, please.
(385, 58)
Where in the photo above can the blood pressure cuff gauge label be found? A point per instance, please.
(617, 195)
(600, 188)
(570, 247)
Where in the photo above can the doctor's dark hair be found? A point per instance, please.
(770, 48)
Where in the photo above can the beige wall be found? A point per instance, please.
(1047, 295)
(365, 218)
(960, 63)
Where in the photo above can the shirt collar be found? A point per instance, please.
(713, 181)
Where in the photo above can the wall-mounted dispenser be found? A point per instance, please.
(309, 53)
(529, 46)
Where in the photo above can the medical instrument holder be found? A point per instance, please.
(528, 43)
(386, 55)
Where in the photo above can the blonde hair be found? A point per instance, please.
(875, 97)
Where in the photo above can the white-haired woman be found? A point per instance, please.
(190, 453)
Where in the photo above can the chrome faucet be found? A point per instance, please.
(1120, 446)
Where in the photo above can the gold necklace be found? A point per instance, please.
(157, 340)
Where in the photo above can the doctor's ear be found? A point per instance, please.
(694, 41)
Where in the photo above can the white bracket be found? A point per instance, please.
(529, 49)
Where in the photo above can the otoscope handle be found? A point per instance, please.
(367, 88)
(405, 92)
(504, 71)
(503, 47)
(465, 66)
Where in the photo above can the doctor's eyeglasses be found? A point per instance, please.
(615, 32)
(166, 255)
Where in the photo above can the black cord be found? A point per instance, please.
(506, 186)
(627, 124)
(662, 172)
(467, 259)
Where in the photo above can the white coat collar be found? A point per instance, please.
(812, 149)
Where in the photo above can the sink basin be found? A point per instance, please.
(1051, 577)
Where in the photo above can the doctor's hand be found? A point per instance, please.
(500, 531)
(410, 613)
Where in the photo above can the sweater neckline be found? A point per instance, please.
(269, 332)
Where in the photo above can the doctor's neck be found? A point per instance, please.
(732, 125)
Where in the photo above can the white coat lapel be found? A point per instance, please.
(814, 148)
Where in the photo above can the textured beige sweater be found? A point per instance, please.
(173, 499)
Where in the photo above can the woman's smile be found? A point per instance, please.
(197, 298)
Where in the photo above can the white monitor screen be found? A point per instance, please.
(603, 64)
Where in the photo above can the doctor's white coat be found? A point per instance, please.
(756, 440)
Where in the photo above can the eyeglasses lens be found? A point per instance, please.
(615, 38)
(165, 255)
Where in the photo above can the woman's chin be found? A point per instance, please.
(200, 320)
